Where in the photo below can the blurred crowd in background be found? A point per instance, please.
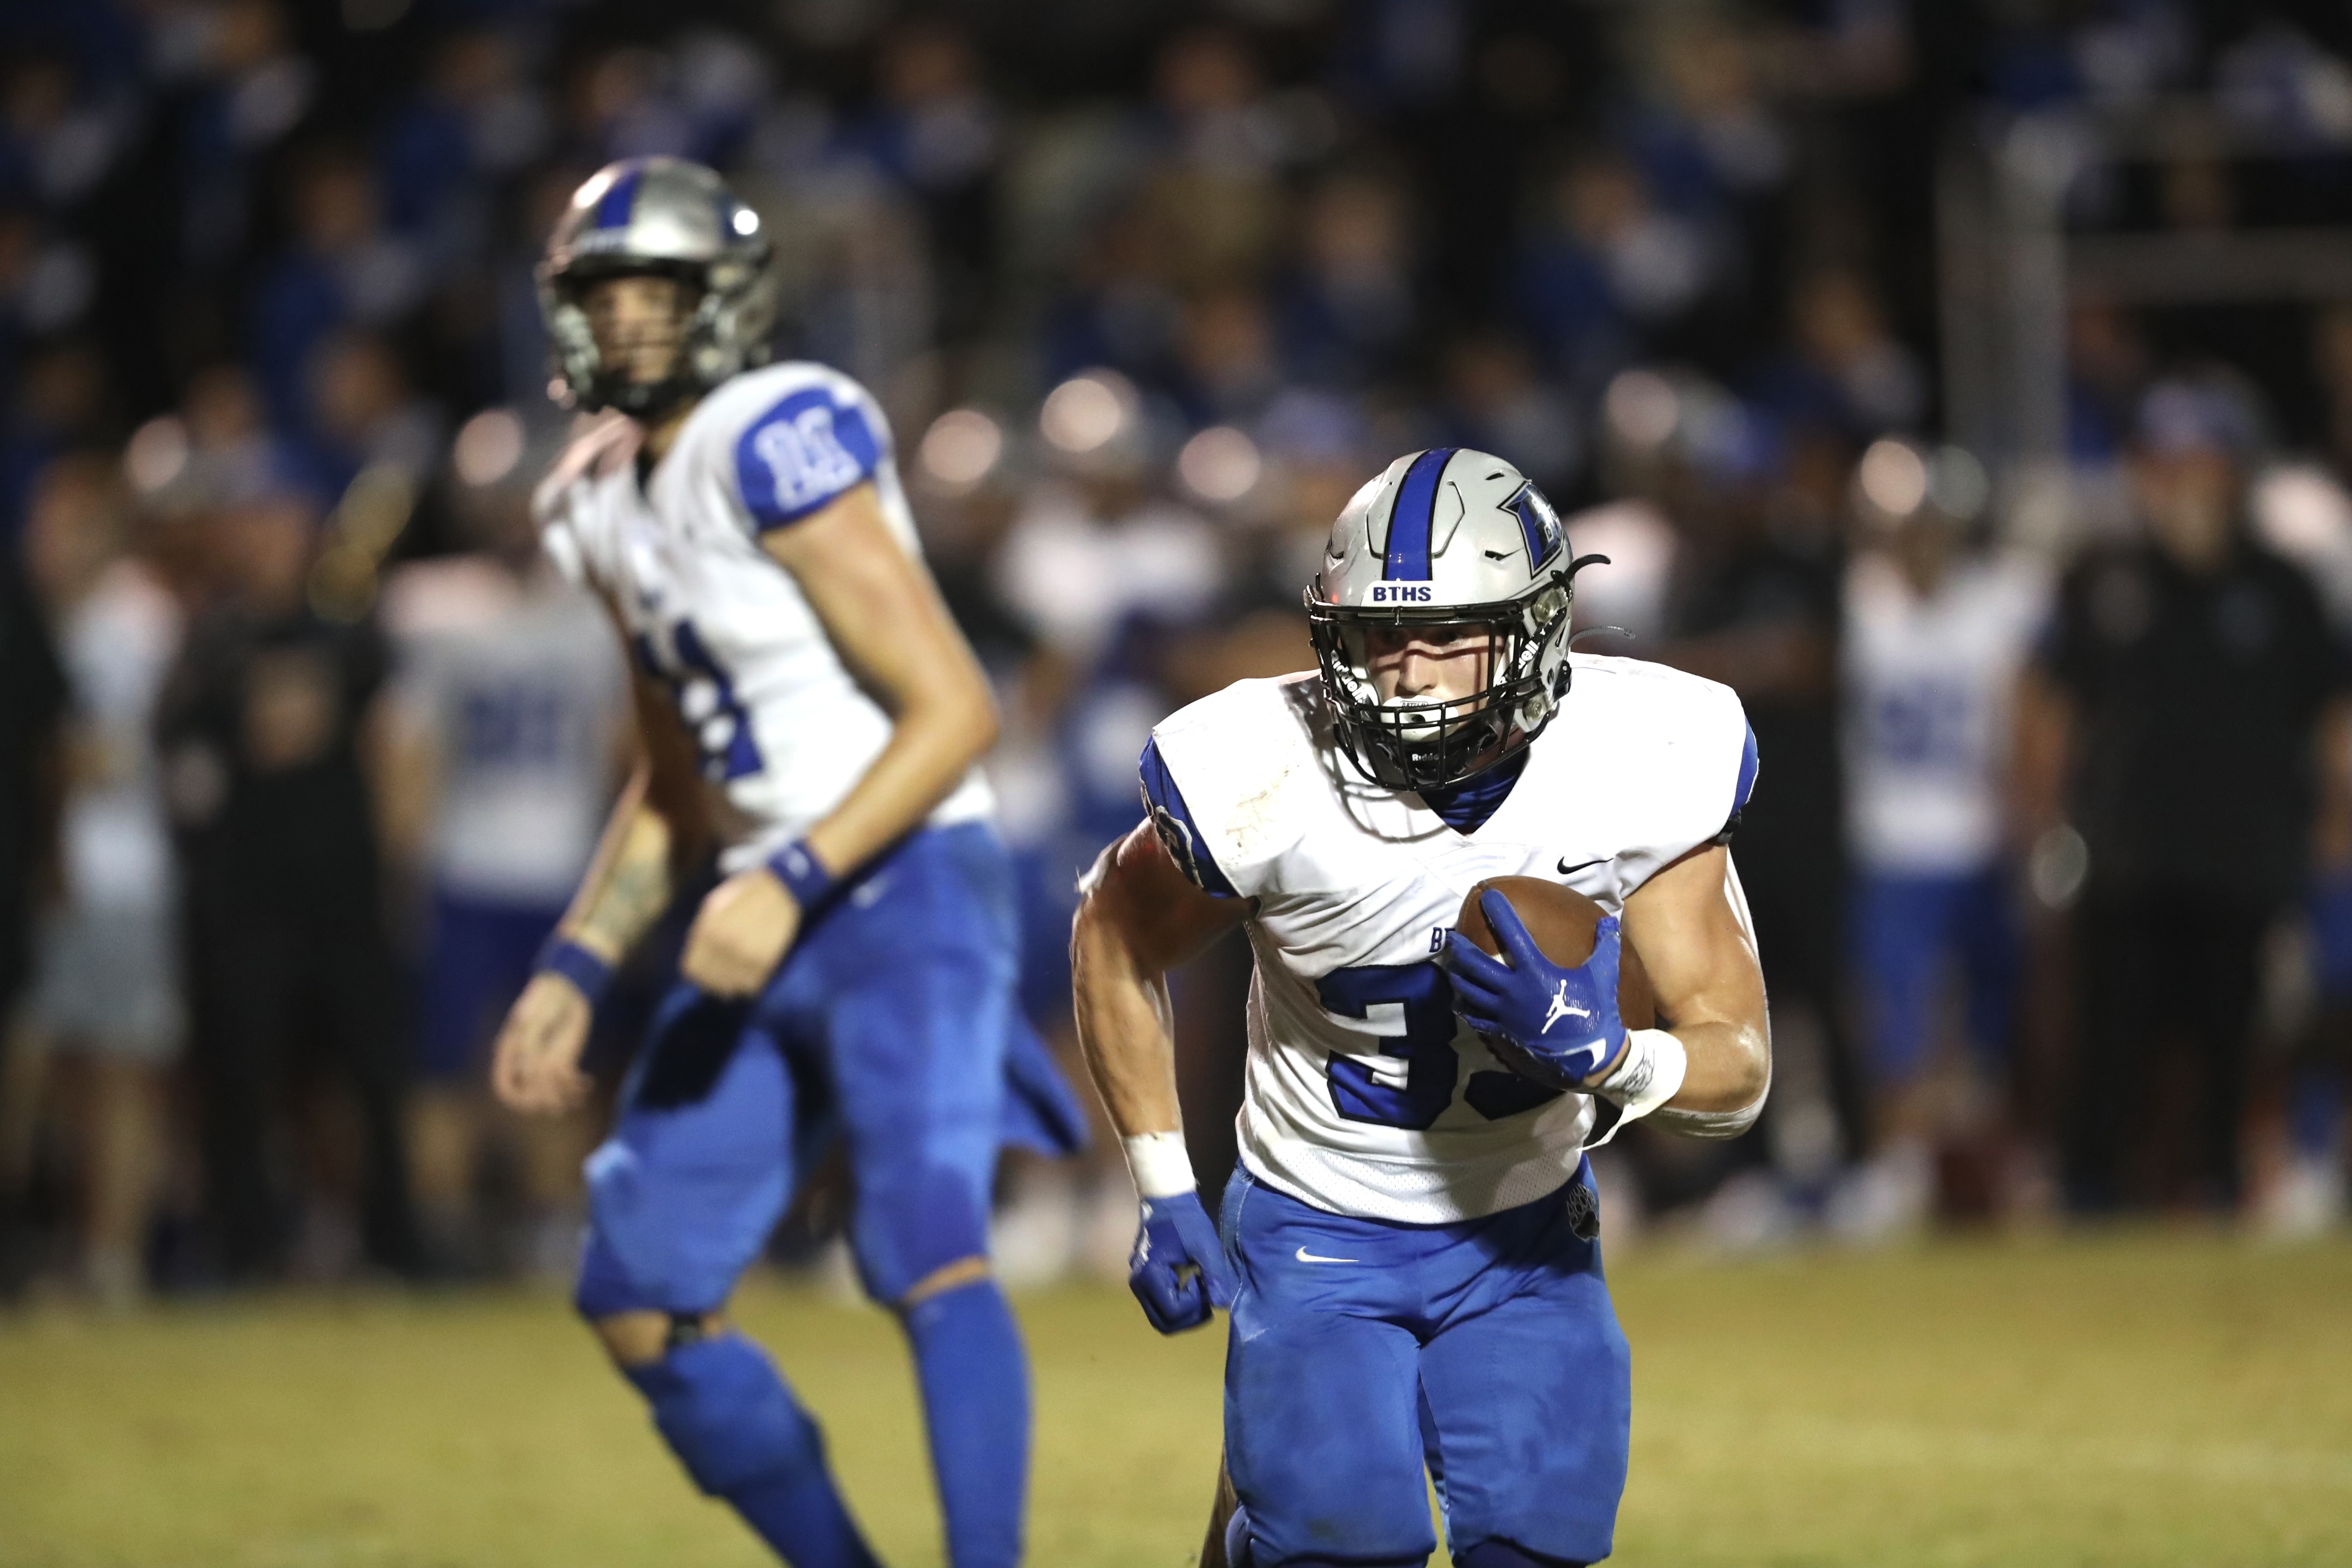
(302, 747)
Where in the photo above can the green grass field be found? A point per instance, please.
(2143, 1399)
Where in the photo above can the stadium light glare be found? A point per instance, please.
(960, 448)
(1220, 465)
(1087, 412)
(488, 447)
(1893, 478)
(157, 454)
(1643, 408)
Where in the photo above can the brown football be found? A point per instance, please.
(1562, 920)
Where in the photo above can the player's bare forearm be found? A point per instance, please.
(629, 883)
(535, 1067)
(1690, 924)
(884, 618)
(1139, 917)
(659, 825)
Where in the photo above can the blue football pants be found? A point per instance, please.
(1363, 1352)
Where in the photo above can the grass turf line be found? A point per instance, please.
(2141, 1399)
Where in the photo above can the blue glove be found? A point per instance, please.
(1558, 1027)
(1178, 1271)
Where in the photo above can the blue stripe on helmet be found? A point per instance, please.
(1530, 528)
(1539, 530)
(1411, 519)
(613, 206)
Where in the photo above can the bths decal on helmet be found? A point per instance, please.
(660, 217)
(1446, 537)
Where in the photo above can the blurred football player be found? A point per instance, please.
(500, 763)
(1935, 634)
(1409, 1246)
(811, 713)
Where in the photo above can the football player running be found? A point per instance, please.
(1409, 1247)
(812, 715)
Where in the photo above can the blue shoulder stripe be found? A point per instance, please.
(802, 455)
(1172, 819)
(1746, 773)
(1410, 520)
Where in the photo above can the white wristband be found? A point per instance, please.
(1651, 1074)
(1159, 1163)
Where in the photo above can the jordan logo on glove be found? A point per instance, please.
(1514, 1000)
(1562, 1008)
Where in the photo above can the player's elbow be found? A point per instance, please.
(962, 715)
(983, 724)
(1738, 1081)
(1751, 1070)
(950, 727)
(1745, 1080)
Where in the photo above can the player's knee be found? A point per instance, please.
(920, 1236)
(726, 1414)
(642, 1338)
(630, 1339)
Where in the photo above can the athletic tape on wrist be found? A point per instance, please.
(1651, 1074)
(1159, 1164)
(803, 876)
(562, 955)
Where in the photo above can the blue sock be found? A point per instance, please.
(742, 1436)
(975, 1382)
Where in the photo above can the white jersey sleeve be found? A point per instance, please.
(803, 451)
(1671, 756)
(1214, 779)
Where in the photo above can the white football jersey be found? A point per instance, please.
(783, 729)
(1929, 686)
(1365, 1094)
(117, 646)
(522, 693)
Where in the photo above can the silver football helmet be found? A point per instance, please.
(1446, 537)
(673, 218)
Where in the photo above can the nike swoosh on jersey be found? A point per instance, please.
(1566, 870)
(1305, 1256)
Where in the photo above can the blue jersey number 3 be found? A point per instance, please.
(1424, 1000)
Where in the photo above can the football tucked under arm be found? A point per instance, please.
(1704, 1074)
